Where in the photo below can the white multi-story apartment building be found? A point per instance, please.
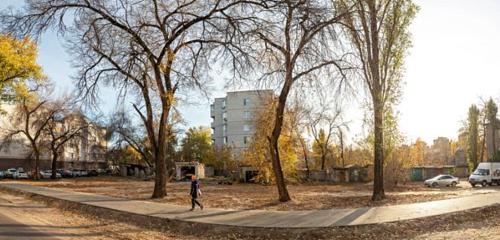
(87, 151)
(233, 118)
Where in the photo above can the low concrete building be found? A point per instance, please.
(184, 170)
(349, 173)
(421, 173)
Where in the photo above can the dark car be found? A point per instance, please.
(65, 173)
(92, 173)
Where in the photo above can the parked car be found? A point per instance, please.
(20, 174)
(2, 174)
(101, 171)
(46, 174)
(65, 173)
(92, 173)
(10, 173)
(75, 173)
(486, 173)
(442, 180)
(84, 173)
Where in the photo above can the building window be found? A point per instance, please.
(223, 103)
(246, 101)
(246, 115)
(245, 140)
(225, 140)
(246, 128)
(224, 129)
(224, 116)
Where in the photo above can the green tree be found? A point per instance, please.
(491, 115)
(473, 136)
(197, 144)
(379, 32)
(17, 65)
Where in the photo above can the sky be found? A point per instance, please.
(452, 64)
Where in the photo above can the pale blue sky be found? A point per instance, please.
(454, 61)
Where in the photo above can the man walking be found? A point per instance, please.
(195, 193)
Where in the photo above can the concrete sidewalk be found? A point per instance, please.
(269, 219)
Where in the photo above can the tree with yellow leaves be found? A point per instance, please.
(258, 153)
(17, 65)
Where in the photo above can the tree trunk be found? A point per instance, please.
(54, 165)
(493, 136)
(306, 160)
(273, 143)
(323, 158)
(342, 148)
(278, 172)
(483, 143)
(160, 189)
(378, 182)
(37, 158)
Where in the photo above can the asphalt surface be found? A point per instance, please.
(18, 222)
(12, 229)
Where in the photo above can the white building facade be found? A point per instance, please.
(233, 118)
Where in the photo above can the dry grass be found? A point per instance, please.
(254, 196)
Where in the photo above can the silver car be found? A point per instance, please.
(442, 180)
(20, 174)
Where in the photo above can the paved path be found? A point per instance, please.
(23, 220)
(274, 219)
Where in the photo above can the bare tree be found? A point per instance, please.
(298, 122)
(62, 127)
(292, 42)
(341, 136)
(324, 122)
(121, 129)
(379, 33)
(30, 119)
(150, 48)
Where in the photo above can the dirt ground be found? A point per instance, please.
(35, 220)
(254, 196)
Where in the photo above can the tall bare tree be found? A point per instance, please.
(151, 48)
(292, 43)
(379, 33)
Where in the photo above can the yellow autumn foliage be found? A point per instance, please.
(258, 153)
(17, 65)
